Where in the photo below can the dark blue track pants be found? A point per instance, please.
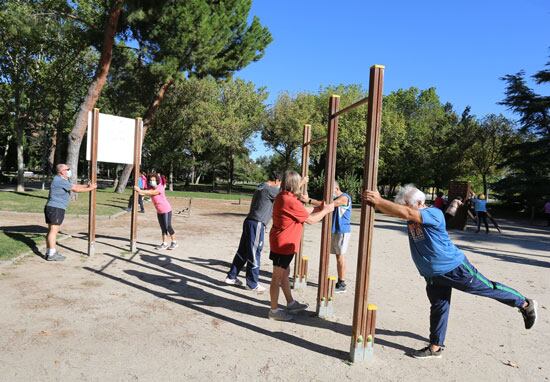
(466, 278)
(249, 252)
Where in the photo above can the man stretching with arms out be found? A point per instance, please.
(443, 265)
(58, 200)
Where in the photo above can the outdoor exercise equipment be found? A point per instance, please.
(364, 314)
(301, 263)
(112, 143)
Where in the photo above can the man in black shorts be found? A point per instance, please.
(54, 211)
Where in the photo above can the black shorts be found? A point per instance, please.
(54, 215)
(282, 261)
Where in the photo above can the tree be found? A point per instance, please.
(528, 158)
(196, 38)
(492, 135)
(284, 126)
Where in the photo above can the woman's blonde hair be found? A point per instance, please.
(291, 182)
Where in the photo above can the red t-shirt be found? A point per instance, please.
(289, 215)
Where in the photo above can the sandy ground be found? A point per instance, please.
(168, 316)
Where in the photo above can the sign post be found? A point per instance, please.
(93, 179)
(137, 161)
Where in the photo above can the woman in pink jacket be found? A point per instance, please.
(155, 189)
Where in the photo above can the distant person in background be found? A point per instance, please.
(164, 210)
(439, 202)
(252, 238)
(547, 212)
(142, 181)
(450, 212)
(54, 211)
(480, 206)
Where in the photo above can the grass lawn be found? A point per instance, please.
(108, 202)
(12, 243)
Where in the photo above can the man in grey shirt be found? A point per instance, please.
(252, 238)
(54, 211)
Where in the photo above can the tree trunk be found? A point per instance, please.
(147, 119)
(231, 172)
(52, 153)
(198, 178)
(94, 90)
(485, 189)
(171, 177)
(20, 158)
(5, 153)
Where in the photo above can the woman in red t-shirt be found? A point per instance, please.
(289, 216)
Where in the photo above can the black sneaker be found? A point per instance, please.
(340, 287)
(426, 352)
(529, 313)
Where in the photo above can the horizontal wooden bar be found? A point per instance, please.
(315, 141)
(350, 107)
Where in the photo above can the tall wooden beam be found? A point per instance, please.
(361, 328)
(93, 179)
(323, 292)
(137, 162)
(299, 280)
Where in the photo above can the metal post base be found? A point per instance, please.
(362, 352)
(91, 248)
(299, 284)
(326, 310)
(133, 247)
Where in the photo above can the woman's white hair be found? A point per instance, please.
(410, 195)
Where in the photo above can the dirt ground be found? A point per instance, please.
(168, 315)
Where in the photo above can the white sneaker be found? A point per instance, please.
(235, 282)
(259, 288)
(279, 315)
(173, 245)
(162, 247)
(295, 307)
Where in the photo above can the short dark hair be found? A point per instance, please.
(274, 175)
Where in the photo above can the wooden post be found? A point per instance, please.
(370, 174)
(299, 270)
(137, 161)
(93, 179)
(330, 170)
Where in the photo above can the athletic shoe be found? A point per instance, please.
(230, 281)
(259, 289)
(162, 247)
(426, 352)
(295, 307)
(279, 315)
(529, 313)
(55, 257)
(340, 287)
(173, 245)
(142, 211)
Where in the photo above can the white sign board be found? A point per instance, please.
(115, 139)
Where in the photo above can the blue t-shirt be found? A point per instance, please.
(60, 192)
(432, 251)
(341, 217)
(480, 205)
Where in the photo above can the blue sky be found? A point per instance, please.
(460, 47)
